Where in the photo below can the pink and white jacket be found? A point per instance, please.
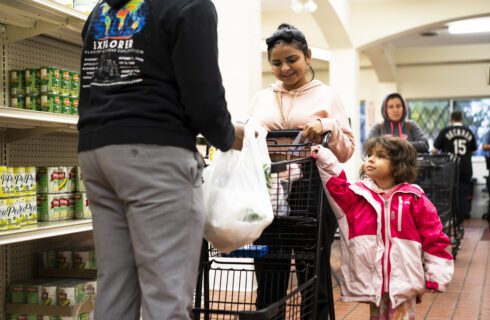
(393, 246)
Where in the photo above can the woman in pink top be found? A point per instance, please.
(297, 101)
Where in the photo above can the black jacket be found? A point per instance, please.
(150, 75)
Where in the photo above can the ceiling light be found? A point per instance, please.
(300, 6)
(296, 6)
(309, 6)
(470, 26)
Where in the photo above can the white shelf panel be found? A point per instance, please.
(22, 124)
(21, 118)
(43, 230)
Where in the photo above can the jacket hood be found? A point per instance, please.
(403, 187)
(278, 87)
(383, 107)
(116, 4)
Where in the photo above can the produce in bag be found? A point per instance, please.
(236, 192)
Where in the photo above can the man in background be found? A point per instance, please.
(459, 140)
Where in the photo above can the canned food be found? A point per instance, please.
(50, 80)
(32, 81)
(30, 181)
(65, 104)
(65, 259)
(7, 177)
(75, 84)
(74, 105)
(49, 258)
(31, 209)
(65, 82)
(48, 295)
(4, 219)
(13, 212)
(19, 181)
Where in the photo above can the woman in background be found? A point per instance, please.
(394, 111)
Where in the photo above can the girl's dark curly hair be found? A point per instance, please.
(401, 153)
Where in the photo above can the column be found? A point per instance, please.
(344, 79)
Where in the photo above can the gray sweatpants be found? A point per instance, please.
(148, 221)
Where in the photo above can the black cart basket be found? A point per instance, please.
(285, 274)
(438, 177)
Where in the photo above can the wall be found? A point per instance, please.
(239, 27)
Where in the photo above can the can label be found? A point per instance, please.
(65, 104)
(65, 259)
(13, 212)
(65, 82)
(19, 181)
(7, 177)
(4, 220)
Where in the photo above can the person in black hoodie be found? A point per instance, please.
(150, 83)
(394, 111)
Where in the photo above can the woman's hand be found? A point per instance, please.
(312, 131)
(239, 133)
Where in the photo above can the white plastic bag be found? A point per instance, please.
(236, 192)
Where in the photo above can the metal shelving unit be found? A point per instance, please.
(35, 33)
(44, 230)
(28, 18)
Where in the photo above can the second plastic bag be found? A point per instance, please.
(236, 192)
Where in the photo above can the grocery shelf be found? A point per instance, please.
(43, 230)
(28, 18)
(21, 123)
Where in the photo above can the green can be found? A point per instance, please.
(65, 82)
(16, 81)
(49, 258)
(50, 102)
(74, 105)
(17, 293)
(21, 101)
(32, 81)
(50, 79)
(17, 101)
(32, 102)
(65, 104)
(75, 84)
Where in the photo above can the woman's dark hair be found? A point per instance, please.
(395, 95)
(401, 153)
(288, 34)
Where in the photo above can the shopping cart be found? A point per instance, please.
(278, 276)
(438, 177)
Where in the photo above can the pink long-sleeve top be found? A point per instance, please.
(313, 101)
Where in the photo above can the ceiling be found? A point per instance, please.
(440, 36)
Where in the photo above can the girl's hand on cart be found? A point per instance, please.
(314, 151)
(312, 131)
(325, 159)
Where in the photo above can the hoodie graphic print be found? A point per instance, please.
(114, 57)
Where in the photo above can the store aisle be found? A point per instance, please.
(468, 296)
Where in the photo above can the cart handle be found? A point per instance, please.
(294, 134)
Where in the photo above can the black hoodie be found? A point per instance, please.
(150, 75)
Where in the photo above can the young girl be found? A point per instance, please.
(391, 239)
